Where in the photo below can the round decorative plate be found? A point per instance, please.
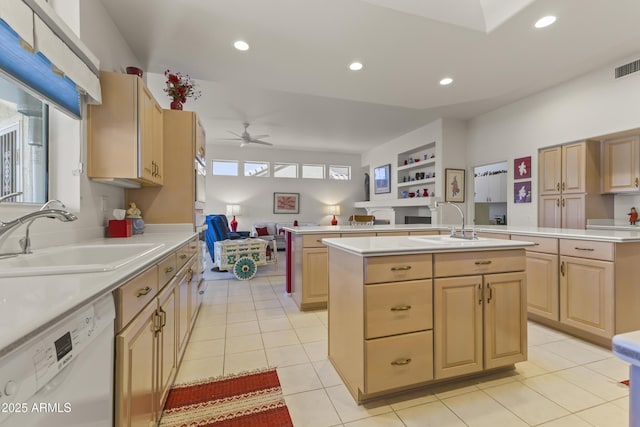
(245, 269)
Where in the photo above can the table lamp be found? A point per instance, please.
(233, 210)
(334, 210)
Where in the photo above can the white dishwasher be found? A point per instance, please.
(63, 376)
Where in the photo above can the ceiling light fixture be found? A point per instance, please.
(241, 45)
(545, 22)
(355, 66)
(446, 81)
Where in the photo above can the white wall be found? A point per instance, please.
(592, 105)
(255, 194)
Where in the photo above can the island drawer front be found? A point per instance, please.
(135, 294)
(470, 263)
(167, 268)
(588, 249)
(183, 254)
(315, 240)
(398, 361)
(398, 268)
(424, 233)
(547, 245)
(398, 308)
(392, 233)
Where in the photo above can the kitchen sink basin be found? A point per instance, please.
(75, 259)
(450, 241)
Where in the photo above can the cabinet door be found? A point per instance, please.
(542, 285)
(573, 207)
(145, 139)
(497, 188)
(315, 275)
(549, 211)
(157, 144)
(135, 371)
(549, 166)
(457, 326)
(183, 311)
(574, 168)
(586, 295)
(481, 184)
(505, 319)
(167, 340)
(621, 165)
(193, 292)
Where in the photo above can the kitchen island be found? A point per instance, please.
(411, 311)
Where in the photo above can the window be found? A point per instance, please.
(285, 170)
(256, 169)
(313, 171)
(340, 172)
(225, 167)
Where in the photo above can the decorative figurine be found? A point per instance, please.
(133, 211)
(134, 215)
(425, 193)
(633, 216)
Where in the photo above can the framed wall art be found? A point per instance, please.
(522, 192)
(522, 168)
(382, 179)
(286, 203)
(454, 185)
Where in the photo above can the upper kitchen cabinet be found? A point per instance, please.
(125, 133)
(569, 180)
(179, 199)
(621, 164)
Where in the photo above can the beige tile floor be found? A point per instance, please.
(248, 325)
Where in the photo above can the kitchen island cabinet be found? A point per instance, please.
(410, 311)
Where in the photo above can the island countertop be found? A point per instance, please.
(397, 245)
(605, 235)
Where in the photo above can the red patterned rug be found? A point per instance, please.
(251, 399)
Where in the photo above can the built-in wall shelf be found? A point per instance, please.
(418, 164)
(417, 182)
(393, 203)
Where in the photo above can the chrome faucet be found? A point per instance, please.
(43, 212)
(463, 232)
(10, 195)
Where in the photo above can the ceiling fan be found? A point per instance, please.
(246, 138)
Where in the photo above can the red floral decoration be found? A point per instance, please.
(180, 87)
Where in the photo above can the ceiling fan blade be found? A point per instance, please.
(258, 136)
(257, 141)
(229, 139)
(233, 133)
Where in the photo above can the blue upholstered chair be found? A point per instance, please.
(218, 229)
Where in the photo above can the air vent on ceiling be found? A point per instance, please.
(626, 69)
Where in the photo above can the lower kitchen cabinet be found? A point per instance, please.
(587, 295)
(167, 339)
(542, 284)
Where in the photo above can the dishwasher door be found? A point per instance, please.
(70, 367)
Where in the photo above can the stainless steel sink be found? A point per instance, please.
(75, 259)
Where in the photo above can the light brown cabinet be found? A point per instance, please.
(125, 132)
(153, 322)
(480, 320)
(309, 280)
(621, 165)
(569, 181)
(174, 201)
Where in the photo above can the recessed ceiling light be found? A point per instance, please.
(355, 66)
(241, 45)
(446, 81)
(545, 22)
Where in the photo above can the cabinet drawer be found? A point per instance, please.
(398, 361)
(470, 263)
(490, 235)
(391, 233)
(424, 233)
(547, 245)
(315, 240)
(587, 249)
(135, 294)
(397, 268)
(184, 253)
(397, 308)
(166, 270)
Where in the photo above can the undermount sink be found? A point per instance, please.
(75, 259)
(450, 241)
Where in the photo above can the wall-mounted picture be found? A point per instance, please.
(522, 168)
(382, 179)
(454, 181)
(286, 203)
(522, 192)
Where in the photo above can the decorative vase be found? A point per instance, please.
(176, 105)
(233, 223)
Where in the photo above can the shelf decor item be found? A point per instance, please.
(233, 210)
(382, 179)
(179, 88)
(286, 203)
(454, 185)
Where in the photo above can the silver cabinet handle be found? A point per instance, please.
(584, 249)
(404, 268)
(401, 362)
(401, 308)
(143, 291)
(483, 262)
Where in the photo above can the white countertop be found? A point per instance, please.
(396, 245)
(29, 304)
(608, 235)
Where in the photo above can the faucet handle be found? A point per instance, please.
(453, 232)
